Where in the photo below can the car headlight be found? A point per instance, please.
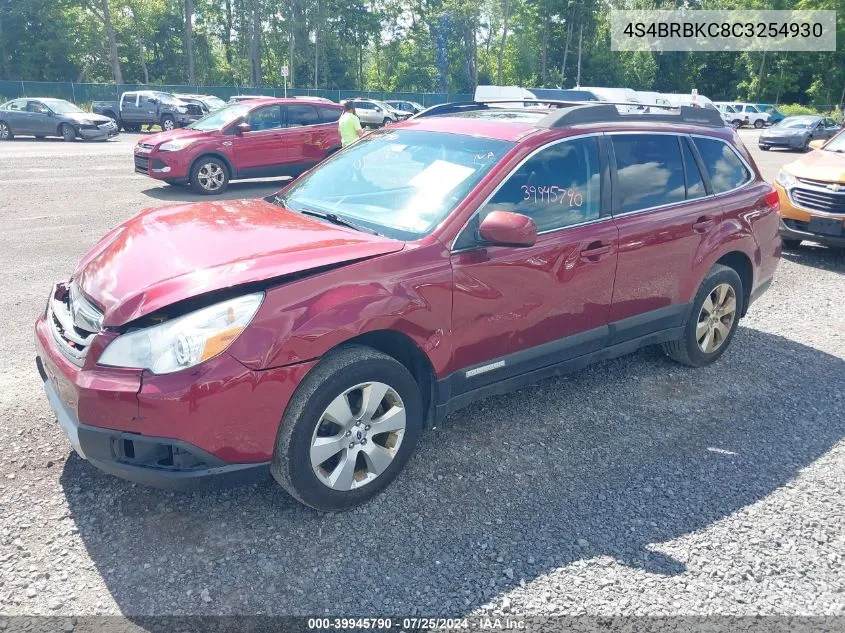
(184, 341)
(176, 145)
(785, 180)
(181, 109)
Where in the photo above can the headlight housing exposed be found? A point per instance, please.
(185, 341)
(785, 180)
(176, 145)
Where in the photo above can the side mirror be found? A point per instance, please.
(505, 228)
(817, 144)
(242, 128)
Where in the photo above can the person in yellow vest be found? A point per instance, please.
(349, 125)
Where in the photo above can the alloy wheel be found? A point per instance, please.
(211, 176)
(358, 436)
(168, 124)
(716, 318)
(4, 132)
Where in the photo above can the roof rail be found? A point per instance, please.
(576, 112)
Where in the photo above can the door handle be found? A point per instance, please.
(703, 224)
(596, 251)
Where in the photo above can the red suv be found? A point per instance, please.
(454, 256)
(255, 139)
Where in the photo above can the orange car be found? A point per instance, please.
(812, 195)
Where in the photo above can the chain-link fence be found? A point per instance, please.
(86, 93)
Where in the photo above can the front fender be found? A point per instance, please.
(409, 292)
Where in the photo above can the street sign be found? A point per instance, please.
(285, 71)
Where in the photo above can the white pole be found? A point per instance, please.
(286, 86)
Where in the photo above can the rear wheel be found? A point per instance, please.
(714, 318)
(67, 132)
(349, 429)
(5, 132)
(167, 123)
(209, 175)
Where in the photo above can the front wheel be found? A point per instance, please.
(5, 132)
(167, 123)
(209, 175)
(758, 124)
(737, 123)
(67, 132)
(349, 429)
(713, 320)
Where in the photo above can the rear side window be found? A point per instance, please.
(649, 171)
(724, 167)
(694, 182)
(329, 115)
(299, 115)
(557, 187)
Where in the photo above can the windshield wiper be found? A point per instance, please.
(336, 219)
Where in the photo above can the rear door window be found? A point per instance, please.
(724, 167)
(649, 171)
(299, 115)
(329, 115)
(692, 174)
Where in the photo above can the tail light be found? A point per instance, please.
(772, 200)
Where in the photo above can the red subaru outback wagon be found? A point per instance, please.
(460, 254)
(255, 139)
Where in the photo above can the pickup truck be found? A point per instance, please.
(148, 107)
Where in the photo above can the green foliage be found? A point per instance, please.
(395, 45)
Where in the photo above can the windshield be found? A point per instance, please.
(400, 183)
(220, 118)
(60, 106)
(836, 144)
(214, 103)
(798, 122)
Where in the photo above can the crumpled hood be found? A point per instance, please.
(819, 165)
(84, 117)
(774, 132)
(165, 255)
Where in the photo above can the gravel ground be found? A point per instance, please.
(635, 487)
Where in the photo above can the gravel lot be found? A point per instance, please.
(635, 487)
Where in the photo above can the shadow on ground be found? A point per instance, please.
(235, 191)
(817, 256)
(610, 461)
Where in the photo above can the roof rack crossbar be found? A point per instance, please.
(577, 112)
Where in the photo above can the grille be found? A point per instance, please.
(142, 164)
(828, 202)
(146, 145)
(75, 322)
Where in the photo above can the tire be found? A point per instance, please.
(67, 132)
(758, 124)
(791, 244)
(168, 123)
(688, 350)
(305, 421)
(386, 122)
(209, 175)
(5, 132)
(737, 123)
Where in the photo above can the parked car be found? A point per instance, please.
(812, 195)
(796, 132)
(450, 257)
(146, 107)
(775, 115)
(206, 103)
(258, 138)
(52, 117)
(374, 113)
(747, 112)
(410, 107)
(241, 98)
